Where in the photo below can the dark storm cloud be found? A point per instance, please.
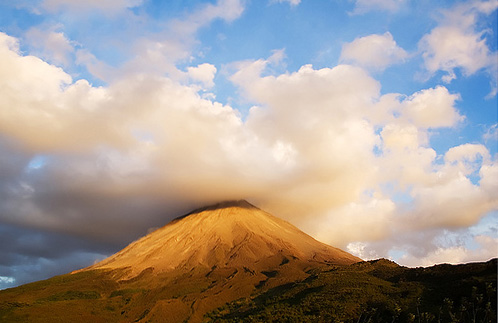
(29, 254)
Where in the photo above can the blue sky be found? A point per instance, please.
(371, 125)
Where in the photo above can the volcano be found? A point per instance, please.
(193, 265)
(232, 262)
(229, 234)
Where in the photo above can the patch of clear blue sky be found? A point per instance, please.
(401, 197)
(164, 10)
(37, 162)
(488, 225)
(396, 254)
(14, 21)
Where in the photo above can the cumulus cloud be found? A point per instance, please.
(44, 112)
(442, 204)
(322, 129)
(441, 195)
(446, 48)
(432, 108)
(169, 146)
(203, 73)
(436, 200)
(373, 51)
(161, 131)
(466, 155)
(457, 43)
(341, 225)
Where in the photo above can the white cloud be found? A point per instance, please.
(442, 195)
(406, 161)
(163, 135)
(34, 76)
(46, 102)
(432, 108)
(203, 73)
(457, 44)
(366, 220)
(466, 157)
(488, 174)
(4, 280)
(447, 48)
(451, 202)
(373, 51)
(397, 137)
(324, 105)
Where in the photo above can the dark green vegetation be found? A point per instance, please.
(374, 291)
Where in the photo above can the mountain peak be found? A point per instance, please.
(243, 204)
(227, 204)
(228, 234)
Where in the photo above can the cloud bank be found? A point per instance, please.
(326, 148)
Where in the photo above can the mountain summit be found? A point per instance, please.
(227, 234)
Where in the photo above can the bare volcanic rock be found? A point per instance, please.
(229, 234)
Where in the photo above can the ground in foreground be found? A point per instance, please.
(373, 291)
